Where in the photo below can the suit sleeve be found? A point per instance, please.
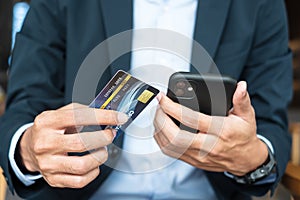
(268, 72)
(36, 76)
(269, 76)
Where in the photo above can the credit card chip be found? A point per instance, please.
(145, 96)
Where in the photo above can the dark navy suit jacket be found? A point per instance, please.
(248, 40)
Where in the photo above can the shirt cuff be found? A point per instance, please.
(269, 179)
(26, 179)
(267, 142)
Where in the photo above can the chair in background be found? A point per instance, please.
(2, 186)
(291, 179)
(2, 179)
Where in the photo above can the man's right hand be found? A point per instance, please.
(44, 147)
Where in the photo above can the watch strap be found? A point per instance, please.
(259, 173)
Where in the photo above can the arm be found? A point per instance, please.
(14, 158)
(271, 61)
(268, 74)
(36, 77)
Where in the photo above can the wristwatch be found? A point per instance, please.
(259, 173)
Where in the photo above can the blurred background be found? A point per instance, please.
(12, 13)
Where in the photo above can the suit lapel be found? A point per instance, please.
(117, 16)
(210, 22)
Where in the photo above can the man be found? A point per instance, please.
(247, 40)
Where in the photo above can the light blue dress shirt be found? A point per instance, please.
(151, 174)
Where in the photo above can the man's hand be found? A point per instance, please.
(222, 144)
(45, 146)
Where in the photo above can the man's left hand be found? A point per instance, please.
(222, 144)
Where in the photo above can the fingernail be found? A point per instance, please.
(243, 86)
(114, 132)
(122, 118)
(159, 96)
(244, 93)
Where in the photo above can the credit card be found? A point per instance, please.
(127, 94)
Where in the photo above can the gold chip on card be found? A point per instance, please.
(145, 96)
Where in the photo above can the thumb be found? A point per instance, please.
(241, 102)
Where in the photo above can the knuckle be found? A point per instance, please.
(51, 181)
(214, 152)
(227, 135)
(43, 166)
(45, 143)
(80, 167)
(99, 158)
(218, 150)
(78, 144)
(173, 144)
(176, 142)
(40, 120)
(39, 147)
(71, 116)
(108, 136)
(171, 137)
(97, 171)
(79, 182)
(165, 150)
(203, 160)
(104, 158)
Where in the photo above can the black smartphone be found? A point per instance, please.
(210, 94)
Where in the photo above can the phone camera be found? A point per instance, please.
(181, 84)
(179, 92)
(184, 89)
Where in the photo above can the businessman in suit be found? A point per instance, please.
(248, 40)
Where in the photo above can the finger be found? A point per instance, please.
(217, 125)
(79, 117)
(197, 158)
(159, 96)
(169, 133)
(186, 116)
(163, 123)
(241, 101)
(75, 165)
(181, 139)
(175, 136)
(167, 147)
(75, 129)
(71, 181)
(85, 141)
